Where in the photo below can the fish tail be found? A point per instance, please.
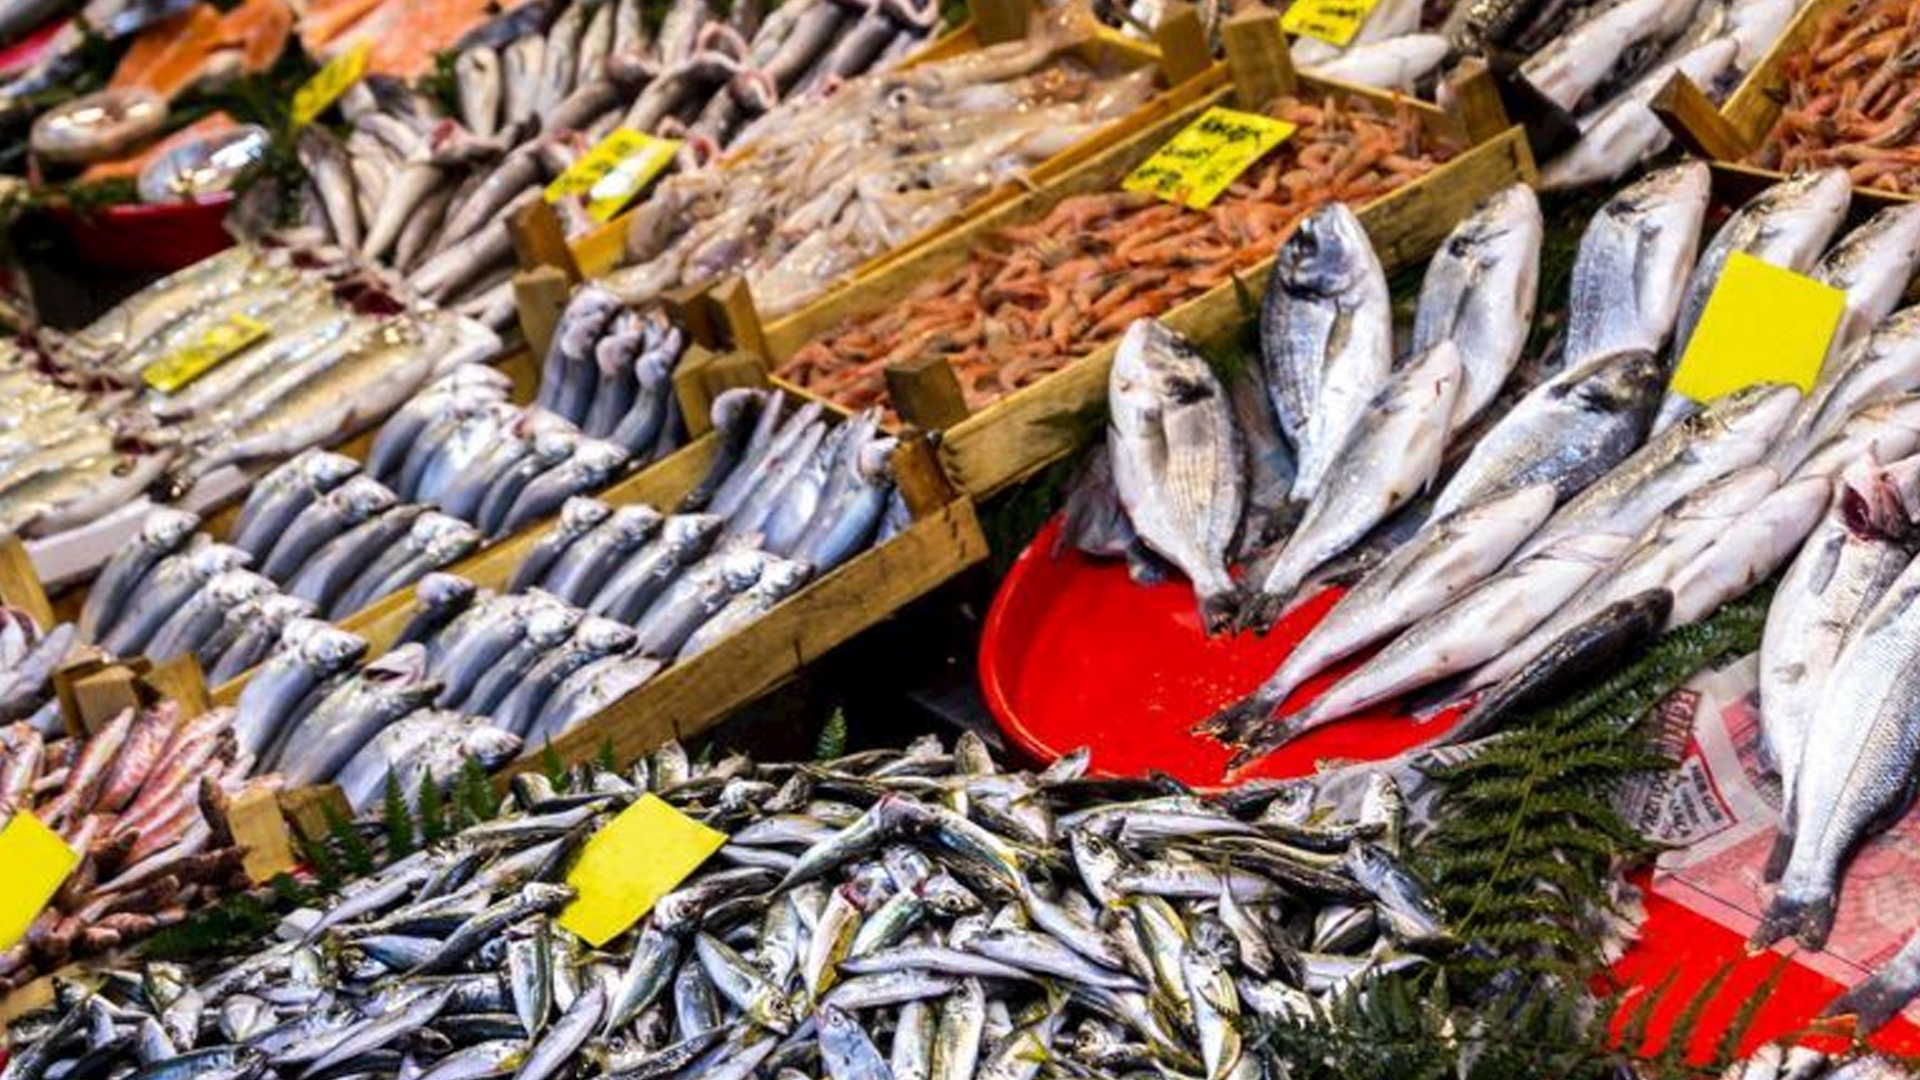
(1233, 723)
(1220, 608)
(1875, 1001)
(1808, 921)
(1782, 851)
(1259, 612)
(1276, 734)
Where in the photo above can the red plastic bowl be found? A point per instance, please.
(148, 238)
(1075, 654)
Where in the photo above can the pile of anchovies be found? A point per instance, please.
(913, 913)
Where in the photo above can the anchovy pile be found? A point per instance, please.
(29, 655)
(428, 193)
(91, 435)
(139, 800)
(1580, 516)
(892, 913)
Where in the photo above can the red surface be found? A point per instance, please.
(23, 52)
(157, 238)
(1075, 654)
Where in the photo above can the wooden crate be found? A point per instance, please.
(944, 539)
(1018, 435)
(600, 251)
(1727, 135)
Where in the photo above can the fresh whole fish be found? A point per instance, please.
(1634, 259)
(1479, 293)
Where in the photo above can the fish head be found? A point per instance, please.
(553, 446)
(326, 648)
(439, 591)
(404, 665)
(603, 635)
(549, 624)
(740, 569)
(735, 411)
(686, 533)
(1323, 256)
(1682, 188)
(362, 497)
(215, 559)
(492, 746)
(599, 457)
(233, 587)
(636, 523)
(873, 462)
(946, 896)
(581, 513)
(164, 528)
(782, 576)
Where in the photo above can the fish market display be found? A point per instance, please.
(428, 193)
(103, 422)
(813, 194)
(1033, 298)
(1847, 99)
(603, 601)
(29, 655)
(138, 801)
(853, 925)
(1586, 509)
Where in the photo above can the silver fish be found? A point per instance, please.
(161, 535)
(1883, 363)
(1176, 459)
(308, 655)
(1634, 258)
(173, 581)
(1872, 265)
(1479, 293)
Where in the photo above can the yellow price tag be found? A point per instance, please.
(1199, 163)
(37, 862)
(1762, 324)
(626, 867)
(614, 171)
(171, 372)
(329, 83)
(1332, 21)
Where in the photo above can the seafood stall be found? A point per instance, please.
(1017, 540)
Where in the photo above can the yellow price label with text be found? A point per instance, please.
(614, 171)
(329, 83)
(1207, 156)
(1761, 324)
(37, 862)
(1335, 22)
(182, 366)
(626, 867)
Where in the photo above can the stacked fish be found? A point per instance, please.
(815, 193)
(29, 655)
(321, 355)
(1583, 518)
(1032, 298)
(1848, 98)
(137, 800)
(1776, 1062)
(428, 193)
(601, 603)
(855, 924)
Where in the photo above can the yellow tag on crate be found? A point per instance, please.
(1762, 324)
(1199, 163)
(184, 365)
(614, 171)
(328, 84)
(1332, 21)
(626, 867)
(37, 862)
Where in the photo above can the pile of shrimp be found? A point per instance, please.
(1852, 98)
(1030, 299)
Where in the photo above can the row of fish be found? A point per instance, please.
(811, 195)
(428, 193)
(607, 598)
(139, 801)
(1590, 488)
(29, 655)
(314, 354)
(916, 912)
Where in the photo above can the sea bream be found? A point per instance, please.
(1857, 551)
(1389, 459)
(1479, 293)
(1606, 51)
(1862, 777)
(1446, 559)
(1176, 460)
(1620, 134)
(1873, 265)
(1880, 365)
(1326, 338)
(1634, 259)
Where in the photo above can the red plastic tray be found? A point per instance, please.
(1075, 654)
(148, 238)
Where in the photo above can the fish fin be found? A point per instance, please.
(1874, 1002)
